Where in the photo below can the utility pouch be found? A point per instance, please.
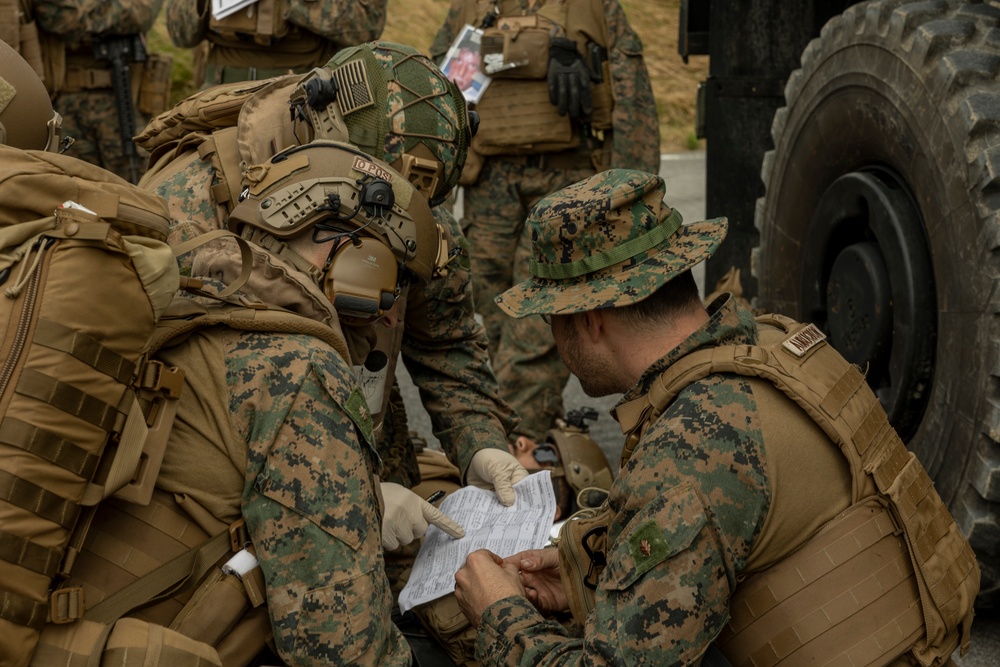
(443, 620)
(262, 21)
(154, 87)
(54, 62)
(128, 641)
(517, 47)
(516, 117)
(214, 609)
(583, 557)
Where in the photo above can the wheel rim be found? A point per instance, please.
(867, 279)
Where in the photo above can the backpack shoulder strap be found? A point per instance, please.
(795, 357)
(185, 316)
(222, 149)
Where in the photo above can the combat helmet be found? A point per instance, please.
(394, 103)
(27, 119)
(335, 191)
(580, 462)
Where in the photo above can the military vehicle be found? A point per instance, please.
(855, 148)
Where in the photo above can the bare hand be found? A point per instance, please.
(539, 574)
(484, 579)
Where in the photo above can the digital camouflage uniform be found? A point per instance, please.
(317, 31)
(525, 361)
(443, 347)
(294, 456)
(701, 468)
(699, 488)
(90, 115)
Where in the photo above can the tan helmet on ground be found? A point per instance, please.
(582, 462)
(394, 103)
(27, 119)
(333, 190)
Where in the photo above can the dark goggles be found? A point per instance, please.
(546, 454)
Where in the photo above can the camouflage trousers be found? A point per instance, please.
(91, 118)
(523, 352)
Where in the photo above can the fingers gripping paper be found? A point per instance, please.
(488, 525)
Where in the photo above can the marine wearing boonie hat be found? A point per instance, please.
(608, 240)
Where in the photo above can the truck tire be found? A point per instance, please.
(881, 223)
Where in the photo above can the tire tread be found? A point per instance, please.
(955, 47)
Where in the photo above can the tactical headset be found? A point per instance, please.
(388, 234)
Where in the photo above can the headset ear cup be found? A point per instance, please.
(362, 279)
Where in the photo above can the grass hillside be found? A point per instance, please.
(415, 22)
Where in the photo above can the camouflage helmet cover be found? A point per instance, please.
(608, 240)
(27, 119)
(398, 106)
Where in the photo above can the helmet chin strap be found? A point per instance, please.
(56, 143)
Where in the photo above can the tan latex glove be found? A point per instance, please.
(407, 517)
(497, 470)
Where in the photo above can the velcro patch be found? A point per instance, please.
(357, 408)
(353, 89)
(648, 546)
(803, 341)
(7, 93)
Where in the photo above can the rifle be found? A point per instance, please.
(120, 51)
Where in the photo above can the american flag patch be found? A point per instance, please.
(353, 90)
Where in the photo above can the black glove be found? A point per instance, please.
(569, 80)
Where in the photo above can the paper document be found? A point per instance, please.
(488, 525)
(223, 8)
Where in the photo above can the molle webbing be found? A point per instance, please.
(516, 115)
(223, 151)
(145, 561)
(81, 464)
(797, 360)
(847, 593)
(72, 431)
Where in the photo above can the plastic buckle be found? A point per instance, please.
(66, 605)
(238, 535)
(168, 379)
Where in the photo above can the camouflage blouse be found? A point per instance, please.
(271, 427)
(699, 474)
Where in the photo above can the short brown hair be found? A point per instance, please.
(676, 297)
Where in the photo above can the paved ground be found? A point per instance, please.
(685, 179)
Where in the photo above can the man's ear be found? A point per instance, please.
(593, 325)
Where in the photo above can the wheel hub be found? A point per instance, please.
(868, 280)
(859, 303)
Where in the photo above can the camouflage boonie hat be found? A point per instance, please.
(421, 119)
(609, 240)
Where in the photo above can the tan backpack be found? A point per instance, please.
(84, 274)
(153, 574)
